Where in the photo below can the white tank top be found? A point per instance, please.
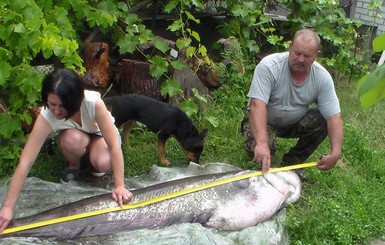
(87, 116)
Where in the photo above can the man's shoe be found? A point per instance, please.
(70, 176)
(301, 175)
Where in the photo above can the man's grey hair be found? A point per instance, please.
(308, 33)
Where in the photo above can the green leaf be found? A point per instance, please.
(274, 39)
(78, 4)
(189, 106)
(191, 17)
(170, 87)
(252, 46)
(18, 4)
(145, 35)
(123, 7)
(242, 10)
(171, 5)
(182, 43)
(32, 11)
(213, 120)
(175, 26)
(379, 43)
(237, 10)
(196, 36)
(5, 54)
(127, 44)
(5, 71)
(190, 51)
(374, 95)
(160, 45)
(250, 5)
(159, 66)
(178, 64)
(10, 153)
(371, 80)
(202, 50)
(371, 87)
(48, 45)
(19, 28)
(8, 125)
(198, 95)
(197, 3)
(59, 16)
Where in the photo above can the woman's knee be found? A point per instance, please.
(101, 162)
(73, 139)
(100, 156)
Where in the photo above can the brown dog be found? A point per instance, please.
(159, 117)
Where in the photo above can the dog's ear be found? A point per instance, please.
(203, 133)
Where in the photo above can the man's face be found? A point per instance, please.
(302, 54)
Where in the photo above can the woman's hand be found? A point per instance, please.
(121, 195)
(6, 215)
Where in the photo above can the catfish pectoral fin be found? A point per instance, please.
(203, 218)
(242, 184)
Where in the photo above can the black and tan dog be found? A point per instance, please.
(161, 118)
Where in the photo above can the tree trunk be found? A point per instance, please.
(96, 62)
(133, 77)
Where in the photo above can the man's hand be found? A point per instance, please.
(121, 195)
(262, 155)
(327, 162)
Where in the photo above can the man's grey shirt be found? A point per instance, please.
(286, 101)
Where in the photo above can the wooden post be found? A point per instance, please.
(133, 77)
(96, 62)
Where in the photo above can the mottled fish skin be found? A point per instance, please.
(232, 206)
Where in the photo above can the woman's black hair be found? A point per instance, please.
(68, 86)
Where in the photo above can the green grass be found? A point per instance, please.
(345, 205)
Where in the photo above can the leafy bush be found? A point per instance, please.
(371, 86)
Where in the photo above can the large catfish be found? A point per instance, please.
(230, 206)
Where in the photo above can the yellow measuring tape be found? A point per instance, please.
(153, 200)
